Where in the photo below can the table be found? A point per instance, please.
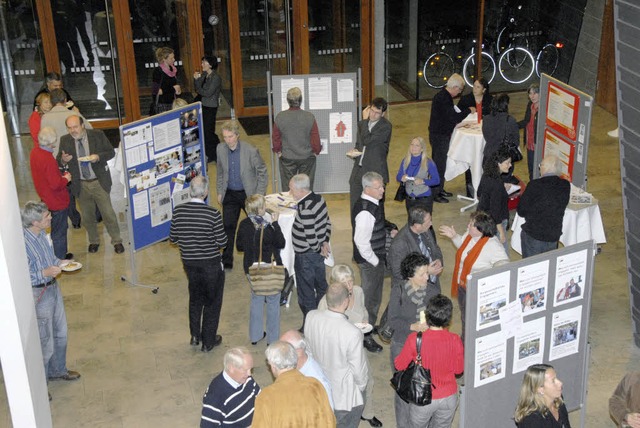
(466, 152)
(581, 223)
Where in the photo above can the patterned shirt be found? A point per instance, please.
(39, 256)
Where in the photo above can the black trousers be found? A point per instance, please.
(439, 148)
(211, 139)
(232, 204)
(206, 287)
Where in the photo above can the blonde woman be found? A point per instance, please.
(165, 87)
(540, 404)
(418, 173)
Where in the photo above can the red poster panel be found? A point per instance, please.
(562, 111)
(564, 150)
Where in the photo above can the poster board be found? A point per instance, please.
(333, 99)
(564, 126)
(542, 305)
(162, 153)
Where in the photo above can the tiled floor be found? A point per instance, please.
(132, 346)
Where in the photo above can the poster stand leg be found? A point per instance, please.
(133, 282)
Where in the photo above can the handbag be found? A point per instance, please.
(265, 279)
(401, 194)
(512, 147)
(413, 384)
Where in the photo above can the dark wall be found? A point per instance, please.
(627, 31)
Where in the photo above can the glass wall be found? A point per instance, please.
(215, 35)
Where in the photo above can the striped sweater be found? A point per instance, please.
(226, 406)
(197, 229)
(311, 227)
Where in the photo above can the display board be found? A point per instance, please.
(564, 126)
(532, 311)
(162, 154)
(334, 101)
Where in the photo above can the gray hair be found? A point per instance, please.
(47, 137)
(300, 182)
(32, 212)
(281, 355)
(336, 294)
(455, 81)
(294, 97)
(199, 187)
(340, 273)
(235, 357)
(551, 165)
(371, 177)
(298, 341)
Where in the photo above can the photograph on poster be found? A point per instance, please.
(341, 128)
(192, 153)
(491, 353)
(493, 292)
(193, 170)
(165, 135)
(169, 162)
(143, 179)
(285, 85)
(565, 333)
(189, 119)
(528, 344)
(160, 201)
(571, 272)
(191, 136)
(532, 286)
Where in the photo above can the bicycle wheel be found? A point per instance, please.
(520, 68)
(437, 69)
(488, 68)
(547, 60)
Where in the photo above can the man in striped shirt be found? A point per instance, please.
(198, 231)
(311, 231)
(44, 266)
(229, 401)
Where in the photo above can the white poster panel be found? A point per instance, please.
(491, 357)
(493, 293)
(565, 333)
(532, 287)
(528, 345)
(571, 270)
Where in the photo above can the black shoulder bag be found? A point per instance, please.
(413, 384)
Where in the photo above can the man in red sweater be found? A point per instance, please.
(52, 188)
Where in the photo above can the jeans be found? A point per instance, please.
(59, 226)
(291, 167)
(206, 287)
(256, 316)
(232, 204)
(52, 326)
(92, 194)
(532, 247)
(310, 279)
(372, 283)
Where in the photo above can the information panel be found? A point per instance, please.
(162, 154)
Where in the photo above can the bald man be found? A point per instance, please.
(542, 205)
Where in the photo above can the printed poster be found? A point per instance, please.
(491, 357)
(493, 293)
(528, 344)
(565, 333)
(532, 287)
(571, 270)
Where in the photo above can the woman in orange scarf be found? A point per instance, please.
(478, 249)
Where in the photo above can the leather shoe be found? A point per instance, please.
(118, 248)
(228, 266)
(77, 226)
(217, 341)
(374, 422)
(264, 334)
(446, 194)
(195, 341)
(371, 345)
(68, 256)
(441, 200)
(70, 375)
(93, 248)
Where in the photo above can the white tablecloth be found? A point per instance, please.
(580, 223)
(465, 152)
(284, 204)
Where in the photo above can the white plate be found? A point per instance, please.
(364, 327)
(71, 266)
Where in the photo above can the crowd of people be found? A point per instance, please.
(323, 366)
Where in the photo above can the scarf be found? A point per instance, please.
(417, 297)
(258, 221)
(531, 141)
(467, 264)
(168, 70)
